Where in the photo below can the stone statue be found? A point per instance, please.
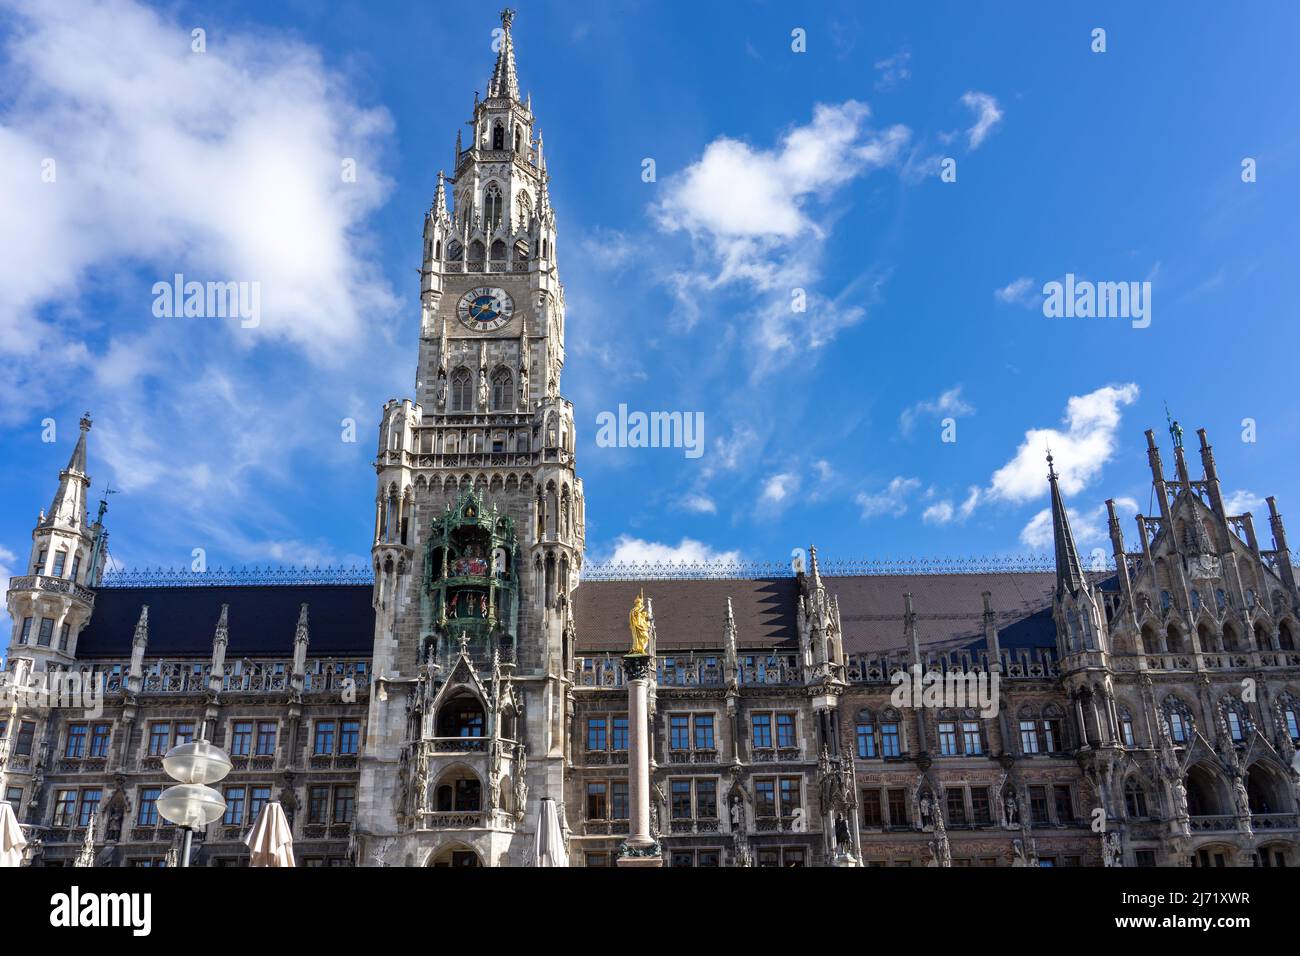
(1112, 854)
(842, 837)
(638, 621)
(1013, 809)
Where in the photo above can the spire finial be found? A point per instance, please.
(86, 421)
(1069, 569)
(504, 80)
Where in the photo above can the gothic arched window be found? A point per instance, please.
(1179, 720)
(498, 137)
(462, 390)
(524, 208)
(1237, 716)
(1135, 799)
(492, 205)
(503, 389)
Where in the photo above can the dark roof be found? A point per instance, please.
(949, 610)
(688, 613)
(262, 620)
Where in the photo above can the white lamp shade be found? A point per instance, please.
(197, 762)
(191, 805)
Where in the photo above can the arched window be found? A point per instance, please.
(503, 389)
(462, 390)
(1135, 799)
(1220, 598)
(1179, 720)
(451, 443)
(1237, 717)
(519, 138)
(461, 717)
(498, 137)
(498, 251)
(460, 792)
(1126, 733)
(1289, 710)
(492, 205)
(524, 208)
(454, 249)
(1285, 638)
(477, 252)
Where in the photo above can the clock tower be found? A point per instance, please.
(478, 520)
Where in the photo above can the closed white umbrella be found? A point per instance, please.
(270, 841)
(12, 841)
(551, 850)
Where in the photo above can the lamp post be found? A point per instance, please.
(192, 804)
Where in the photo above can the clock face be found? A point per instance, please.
(485, 309)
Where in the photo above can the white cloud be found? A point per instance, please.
(779, 487)
(629, 550)
(948, 404)
(894, 70)
(943, 511)
(1022, 291)
(987, 115)
(1241, 501)
(890, 500)
(1080, 450)
(700, 504)
(751, 215)
(224, 165)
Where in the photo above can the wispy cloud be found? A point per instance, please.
(987, 115)
(948, 404)
(892, 500)
(630, 550)
(894, 71)
(1022, 292)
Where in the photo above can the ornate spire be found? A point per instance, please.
(505, 82)
(68, 509)
(1069, 570)
(440, 198)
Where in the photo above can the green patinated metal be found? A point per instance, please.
(471, 581)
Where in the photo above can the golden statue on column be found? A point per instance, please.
(639, 622)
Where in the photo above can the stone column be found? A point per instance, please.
(640, 848)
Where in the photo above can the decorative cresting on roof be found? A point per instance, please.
(1069, 569)
(505, 82)
(751, 570)
(233, 577)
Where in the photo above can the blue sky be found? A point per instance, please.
(775, 171)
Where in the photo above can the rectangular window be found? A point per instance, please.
(76, 567)
(679, 735)
(682, 858)
(789, 796)
(1038, 804)
(26, 733)
(970, 734)
(4, 728)
(706, 799)
(890, 743)
(710, 858)
(1064, 804)
(765, 798)
(785, 730)
(618, 800)
(1145, 857)
(76, 745)
(762, 731)
(1126, 731)
(345, 801)
(259, 797)
(349, 737)
(956, 799)
(267, 730)
(160, 736)
(595, 734)
(241, 738)
(184, 732)
(1029, 736)
(681, 799)
(979, 805)
(318, 802)
(598, 859)
(703, 731)
(65, 805)
(89, 805)
(1052, 736)
(871, 810)
(14, 797)
(866, 741)
(618, 739)
(234, 807)
(64, 633)
(40, 561)
(26, 636)
(324, 740)
(898, 808)
(60, 559)
(47, 632)
(147, 816)
(596, 801)
(792, 856)
(947, 738)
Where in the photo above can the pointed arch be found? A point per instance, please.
(462, 390)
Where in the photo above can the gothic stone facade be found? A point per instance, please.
(1143, 716)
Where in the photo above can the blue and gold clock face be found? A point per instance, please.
(485, 309)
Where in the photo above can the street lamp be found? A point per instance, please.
(192, 804)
